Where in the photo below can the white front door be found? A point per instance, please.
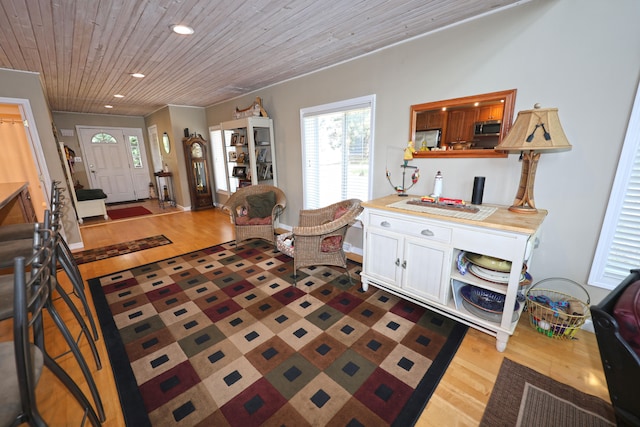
(116, 162)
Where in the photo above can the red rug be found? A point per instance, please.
(128, 212)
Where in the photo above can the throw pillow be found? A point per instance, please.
(261, 205)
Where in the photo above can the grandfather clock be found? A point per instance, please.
(195, 154)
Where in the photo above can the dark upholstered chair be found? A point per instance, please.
(254, 211)
(319, 237)
(620, 360)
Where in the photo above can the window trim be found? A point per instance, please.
(630, 152)
(332, 107)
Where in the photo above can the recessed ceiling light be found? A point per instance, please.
(108, 106)
(117, 95)
(137, 75)
(182, 29)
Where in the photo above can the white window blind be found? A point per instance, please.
(337, 142)
(618, 249)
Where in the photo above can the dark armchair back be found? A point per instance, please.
(621, 363)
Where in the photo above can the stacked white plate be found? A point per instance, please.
(493, 270)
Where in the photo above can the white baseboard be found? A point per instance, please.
(588, 326)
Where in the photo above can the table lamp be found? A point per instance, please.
(534, 131)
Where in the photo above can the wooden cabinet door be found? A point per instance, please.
(468, 122)
(436, 120)
(431, 120)
(460, 125)
(421, 121)
(490, 112)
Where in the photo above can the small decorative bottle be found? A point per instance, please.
(437, 185)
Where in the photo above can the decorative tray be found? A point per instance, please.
(441, 205)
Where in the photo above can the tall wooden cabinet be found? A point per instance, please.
(249, 150)
(199, 177)
(460, 126)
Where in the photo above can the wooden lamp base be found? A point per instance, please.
(524, 202)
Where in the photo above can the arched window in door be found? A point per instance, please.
(103, 138)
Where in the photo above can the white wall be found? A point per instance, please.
(581, 56)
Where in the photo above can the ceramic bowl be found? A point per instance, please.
(487, 299)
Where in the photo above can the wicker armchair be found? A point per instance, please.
(254, 228)
(319, 237)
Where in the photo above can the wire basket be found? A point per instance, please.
(553, 308)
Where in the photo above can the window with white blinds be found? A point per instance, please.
(337, 142)
(618, 249)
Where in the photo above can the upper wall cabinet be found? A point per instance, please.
(471, 126)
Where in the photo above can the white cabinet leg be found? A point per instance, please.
(501, 341)
(365, 285)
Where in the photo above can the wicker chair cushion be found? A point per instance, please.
(284, 243)
(246, 220)
(331, 244)
(90, 194)
(261, 205)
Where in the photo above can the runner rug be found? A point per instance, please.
(220, 337)
(120, 249)
(524, 397)
(128, 212)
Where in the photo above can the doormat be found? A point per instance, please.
(524, 397)
(120, 249)
(128, 212)
(221, 337)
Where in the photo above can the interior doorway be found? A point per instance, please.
(22, 158)
(115, 160)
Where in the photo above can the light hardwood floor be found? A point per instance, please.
(459, 399)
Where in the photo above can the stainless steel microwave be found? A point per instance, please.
(487, 128)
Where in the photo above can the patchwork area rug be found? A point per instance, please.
(128, 212)
(524, 397)
(120, 249)
(220, 337)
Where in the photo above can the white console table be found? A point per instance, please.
(414, 255)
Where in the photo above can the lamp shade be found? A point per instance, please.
(538, 130)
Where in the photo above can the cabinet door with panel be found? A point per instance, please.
(460, 126)
(384, 251)
(425, 265)
(431, 120)
(406, 256)
(490, 112)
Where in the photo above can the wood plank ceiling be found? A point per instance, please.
(86, 50)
